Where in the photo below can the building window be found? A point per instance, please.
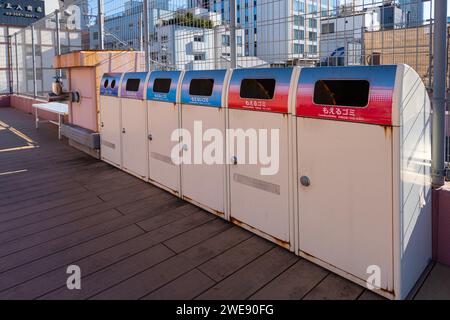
(299, 21)
(299, 34)
(239, 40)
(163, 59)
(312, 36)
(299, 48)
(312, 7)
(327, 28)
(131, 25)
(312, 23)
(164, 38)
(199, 57)
(299, 6)
(225, 40)
(95, 35)
(312, 48)
(198, 38)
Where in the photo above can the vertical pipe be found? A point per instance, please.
(101, 24)
(146, 40)
(10, 71)
(233, 33)
(58, 41)
(440, 63)
(430, 48)
(33, 50)
(17, 63)
(140, 33)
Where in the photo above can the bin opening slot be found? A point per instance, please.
(201, 87)
(133, 84)
(113, 84)
(348, 93)
(162, 85)
(257, 88)
(105, 84)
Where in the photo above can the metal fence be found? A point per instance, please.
(208, 34)
(196, 34)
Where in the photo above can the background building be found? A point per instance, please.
(413, 11)
(342, 36)
(202, 44)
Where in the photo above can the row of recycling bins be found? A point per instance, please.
(342, 169)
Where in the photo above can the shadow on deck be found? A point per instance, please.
(132, 240)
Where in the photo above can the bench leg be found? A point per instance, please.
(59, 126)
(36, 118)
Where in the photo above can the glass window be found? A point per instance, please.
(348, 93)
(225, 40)
(257, 88)
(201, 87)
(133, 84)
(162, 85)
(299, 48)
(299, 34)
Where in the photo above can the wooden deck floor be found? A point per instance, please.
(132, 240)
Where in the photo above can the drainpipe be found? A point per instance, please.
(101, 24)
(440, 63)
(233, 33)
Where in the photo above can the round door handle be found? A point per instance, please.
(234, 160)
(123, 130)
(305, 181)
(150, 137)
(102, 125)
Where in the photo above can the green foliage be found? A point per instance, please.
(189, 20)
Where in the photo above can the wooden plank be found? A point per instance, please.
(294, 283)
(188, 286)
(151, 279)
(334, 287)
(27, 255)
(21, 227)
(40, 193)
(437, 285)
(126, 268)
(144, 203)
(232, 260)
(57, 232)
(140, 261)
(369, 295)
(55, 259)
(246, 281)
(197, 235)
(123, 192)
(46, 206)
(177, 221)
(40, 203)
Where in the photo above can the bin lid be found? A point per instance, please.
(260, 89)
(354, 94)
(109, 85)
(162, 86)
(203, 87)
(133, 85)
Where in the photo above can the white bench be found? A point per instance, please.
(60, 109)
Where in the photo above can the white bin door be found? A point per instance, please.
(162, 122)
(110, 129)
(204, 183)
(345, 214)
(261, 201)
(134, 139)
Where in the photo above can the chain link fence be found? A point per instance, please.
(198, 35)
